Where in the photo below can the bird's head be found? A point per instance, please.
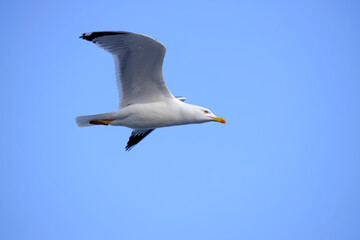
(207, 115)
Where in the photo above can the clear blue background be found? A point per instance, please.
(285, 74)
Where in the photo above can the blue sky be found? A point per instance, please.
(285, 75)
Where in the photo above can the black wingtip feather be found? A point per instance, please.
(136, 137)
(92, 35)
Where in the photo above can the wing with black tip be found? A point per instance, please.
(136, 137)
(138, 64)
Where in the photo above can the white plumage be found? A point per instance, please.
(145, 101)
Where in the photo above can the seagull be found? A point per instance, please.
(145, 101)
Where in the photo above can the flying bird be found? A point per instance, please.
(145, 101)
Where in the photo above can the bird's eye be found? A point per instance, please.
(206, 111)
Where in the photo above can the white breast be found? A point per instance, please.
(156, 115)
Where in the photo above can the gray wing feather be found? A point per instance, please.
(138, 63)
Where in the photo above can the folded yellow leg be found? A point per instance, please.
(101, 121)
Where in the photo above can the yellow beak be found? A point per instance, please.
(219, 119)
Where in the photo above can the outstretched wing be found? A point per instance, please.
(136, 137)
(138, 64)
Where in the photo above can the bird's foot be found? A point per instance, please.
(101, 121)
